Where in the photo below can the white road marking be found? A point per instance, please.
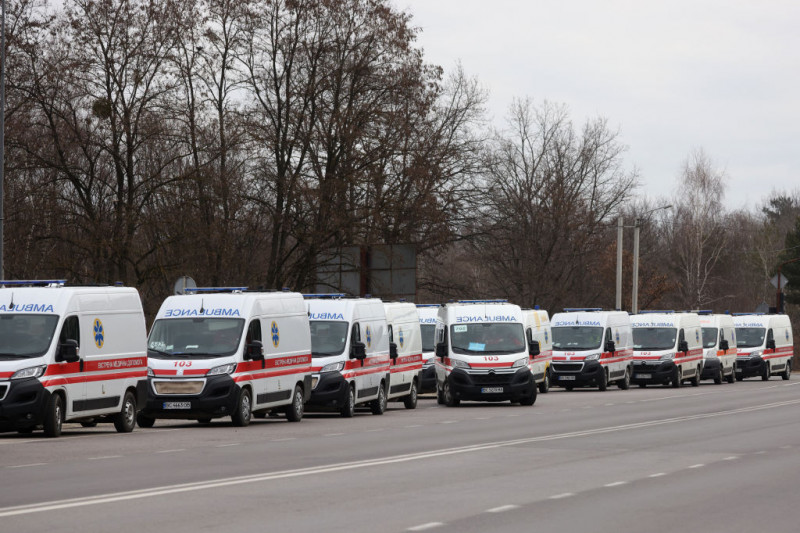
(658, 474)
(786, 447)
(609, 404)
(423, 527)
(502, 508)
(104, 457)
(761, 452)
(339, 467)
(616, 484)
(172, 451)
(698, 465)
(731, 458)
(284, 439)
(448, 421)
(413, 426)
(562, 495)
(227, 445)
(27, 465)
(333, 434)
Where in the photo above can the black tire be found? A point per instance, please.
(732, 376)
(294, 412)
(205, 420)
(348, 410)
(676, 378)
(719, 376)
(695, 381)
(765, 372)
(544, 386)
(54, 416)
(449, 398)
(569, 387)
(410, 401)
(787, 374)
(144, 421)
(244, 409)
(739, 377)
(602, 383)
(625, 382)
(378, 405)
(89, 423)
(530, 399)
(125, 420)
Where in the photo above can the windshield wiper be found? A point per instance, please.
(324, 353)
(15, 355)
(162, 352)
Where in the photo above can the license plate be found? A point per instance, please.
(491, 390)
(566, 378)
(177, 405)
(643, 376)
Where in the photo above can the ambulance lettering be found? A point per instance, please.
(175, 313)
(326, 316)
(27, 308)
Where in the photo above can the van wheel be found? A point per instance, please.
(625, 382)
(602, 383)
(348, 410)
(378, 405)
(439, 395)
(719, 376)
(766, 372)
(530, 399)
(732, 376)
(294, 413)
(676, 377)
(696, 379)
(410, 401)
(740, 377)
(449, 398)
(125, 420)
(787, 374)
(244, 409)
(544, 386)
(54, 416)
(144, 421)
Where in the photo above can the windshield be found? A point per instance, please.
(577, 337)
(26, 335)
(327, 338)
(749, 337)
(654, 338)
(428, 337)
(491, 338)
(195, 337)
(709, 337)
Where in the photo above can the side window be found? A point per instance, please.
(254, 331)
(608, 335)
(770, 336)
(681, 337)
(70, 330)
(721, 334)
(390, 331)
(355, 334)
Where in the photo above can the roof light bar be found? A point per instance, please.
(215, 289)
(582, 309)
(34, 283)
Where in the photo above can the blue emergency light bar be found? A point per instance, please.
(749, 314)
(33, 283)
(429, 305)
(322, 295)
(655, 311)
(483, 301)
(215, 289)
(582, 309)
(704, 312)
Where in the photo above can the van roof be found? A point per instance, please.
(231, 304)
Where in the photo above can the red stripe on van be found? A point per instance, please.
(64, 380)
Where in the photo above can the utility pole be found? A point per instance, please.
(2, 133)
(620, 226)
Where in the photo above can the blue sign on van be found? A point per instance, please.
(369, 337)
(99, 333)
(276, 337)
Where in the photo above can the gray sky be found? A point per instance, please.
(672, 75)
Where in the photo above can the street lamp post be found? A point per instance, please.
(635, 290)
(620, 226)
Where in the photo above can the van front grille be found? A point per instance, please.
(179, 387)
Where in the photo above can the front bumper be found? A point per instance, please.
(575, 373)
(654, 372)
(749, 366)
(492, 387)
(24, 404)
(427, 379)
(331, 391)
(711, 368)
(219, 398)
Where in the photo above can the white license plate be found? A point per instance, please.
(491, 390)
(643, 376)
(177, 405)
(566, 378)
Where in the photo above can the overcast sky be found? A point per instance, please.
(672, 75)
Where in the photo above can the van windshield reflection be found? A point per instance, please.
(23, 336)
(195, 337)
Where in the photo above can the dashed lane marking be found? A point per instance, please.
(502, 508)
(425, 527)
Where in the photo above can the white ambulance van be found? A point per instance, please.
(405, 352)
(222, 351)
(719, 347)
(350, 350)
(427, 324)
(765, 346)
(591, 347)
(482, 353)
(537, 328)
(667, 348)
(70, 354)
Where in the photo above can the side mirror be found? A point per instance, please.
(68, 351)
(611, 347)
(723, 344)
(393, 350)
(683, 346)
(771, 344)
(254, 351)
(358, 350)
(533, 348)
(441, 350)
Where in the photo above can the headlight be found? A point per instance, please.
(668, 356)
(150, 372)
(756, 353)
(32, 372)
(592, 357)
(521, 362)
(333, 367)
(458, 363)
(222, 369)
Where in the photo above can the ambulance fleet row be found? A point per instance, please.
(81, 354)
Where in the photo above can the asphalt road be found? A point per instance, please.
(713, 458)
